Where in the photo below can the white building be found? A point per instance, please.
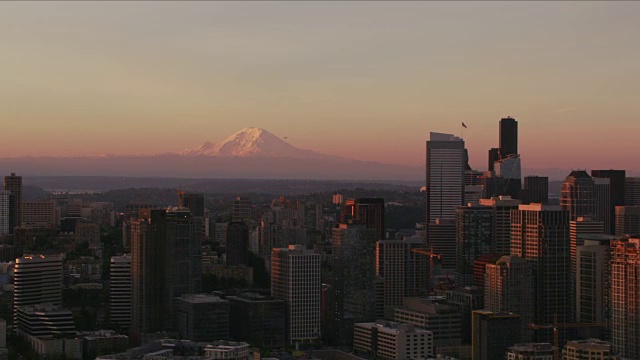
(120, 291)
(445, 176)
(295, 278)
(392, 340)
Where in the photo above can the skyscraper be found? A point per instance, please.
(241, 209)
(540, 235)
(13, 183)
(617, 191)
(577, 195)
(474, 237)
(494, 155)
(509, 287)
(193, 202)
(602, 196)
(494, 333)
(627, 220)
(625, 302)
(165, 263)
(5, 201)
(508, 137)
(445, 176)
(237, 244)
(509, 169)
(368, 211)
(120, 291)
(632, 191)
(536, 190)
(441, 237)
(502, 207)
(593, 278)
(37, 280)
(295, 278)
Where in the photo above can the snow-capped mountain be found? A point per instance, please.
(252, 142)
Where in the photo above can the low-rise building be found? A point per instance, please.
(392, 340)
(202, 317)
(591, 349)
(432, 314)
(530, 351)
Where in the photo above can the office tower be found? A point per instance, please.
(509, 169)
(617, 191)
(37, 279)
(131, 211)
(590, 349)
(536, 190)
(502, 207)
(392, 340)
(193, 202)
(602, 196)
(391, 266)
(353, 259)
(577, 195)
(241, 209)
(474, 237)
(441, 237)
(5, 201)
(259, 320)
(627, 220)
(494, 333)
(13, 183)
(625, 304)
(295, 278)
(473, 194)
(445, 176)
(120, 291)
(480, 267)
(632, 191)
(472, 177)
(466, 300)
(368, 211)
(433, 315)
(593, 282)
(530, 351)
(540, 235)
(492, 185)
(237, 244)
(44, 320)
(508, 137)
(165, 263)
(494, 155)
(583, 225)
(509, 287)
(202, 317)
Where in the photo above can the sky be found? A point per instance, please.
(366, 80)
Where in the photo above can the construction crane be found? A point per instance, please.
(556, 329)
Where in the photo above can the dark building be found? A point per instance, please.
(474, 237)
(494, 333)
(237, 244)
(202, 317)
(617, 183)
(578, 195)
(466, 300)
(165, 264)
(258, 320)
(627, 220)
(442, 239)
(494, 155)
(368, 211)
(13, 183)
(508, 137)
(194, 202)
(536, 190)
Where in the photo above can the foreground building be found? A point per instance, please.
(591, 349)
(493, 333)
(625, 298)
(392, 340)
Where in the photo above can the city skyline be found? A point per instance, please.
(149, 78)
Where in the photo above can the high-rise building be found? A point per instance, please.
(617, 191)
(258, 319)
(120, 291)
(494, 333)
(241, 209)
(474, 237)
(5, 201)
(37, 279)
(202, 317)
(473, 194)
(494, 155)
(480, 267)
(632, 191)
(237, 243)
(165, 263)
(509, 169)
(578, 195)
(466, 300)
(392, 341)
(589, 349)
(193, 202)
(508, 137)
(593, 278)
(368, 211)
(39, 214)
(627, 220)
(502, 207)
(540, 235)
(13, 183)
(583, 225)
(509, 287)
(625, 298)
(445, 176)
(441, 237)
(602, 196)
(391, 257)
(295, 278)
(536, 190)
(531, 351)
